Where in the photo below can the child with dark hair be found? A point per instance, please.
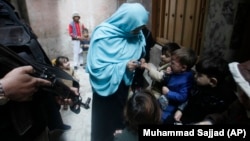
(156, 75)
(179, 82)
(238, 113)
(166, 52)
(141, 108)
(56, 121)
(85, 45)
(212, 94)
(63, 63)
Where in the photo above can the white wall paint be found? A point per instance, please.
(50, 18)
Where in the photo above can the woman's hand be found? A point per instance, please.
(132, 65)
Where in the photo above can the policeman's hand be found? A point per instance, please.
(67, 101)
(19, 85)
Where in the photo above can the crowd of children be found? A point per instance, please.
(182, 86)
(193, 91)
(183, 90)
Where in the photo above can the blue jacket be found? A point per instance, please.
(179, 89)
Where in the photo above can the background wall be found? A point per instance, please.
(219, 25)
(226, 24)
(50, 19)
(227, 29)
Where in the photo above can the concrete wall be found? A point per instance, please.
(227, 29)
(219, 25)
(50, 18)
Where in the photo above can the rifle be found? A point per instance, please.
(10, 60)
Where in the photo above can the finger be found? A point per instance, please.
(59, 100)
(35, 90)
(75, 90)
(22, 99)
(27, 69)
(68, 101)
(25, 98)
(42, 82)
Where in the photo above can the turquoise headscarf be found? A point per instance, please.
(113, 45)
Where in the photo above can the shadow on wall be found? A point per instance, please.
(240, 36)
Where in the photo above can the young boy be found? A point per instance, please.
(238, 112)
(156, 74)
(141, 108)
(213, 92)
(63, 63)
(85, 45)
(179, 83)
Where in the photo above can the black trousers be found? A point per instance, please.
(107, 114)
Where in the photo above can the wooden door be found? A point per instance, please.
(179, 21)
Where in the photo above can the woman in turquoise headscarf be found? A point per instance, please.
(115, 46)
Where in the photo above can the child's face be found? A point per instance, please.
(166, 58)
(202, 79)
(176, 66)
(76, 18)
(65, 64)
(85, 34)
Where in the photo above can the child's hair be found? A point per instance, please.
(216, 67)
(169, 47)
(142, 108)
(60, 60)
(86, 31)
(186, 56)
